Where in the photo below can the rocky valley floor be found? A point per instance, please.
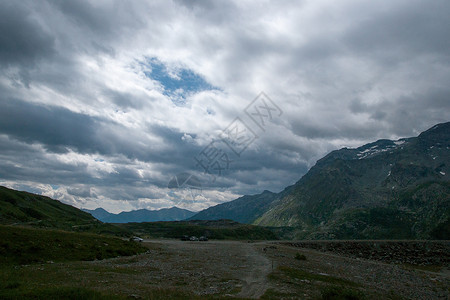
(231, 269)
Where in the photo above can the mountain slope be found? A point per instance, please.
(243, 210)
(142, 215)
(98, 213)
(385, 189)
(27, 209)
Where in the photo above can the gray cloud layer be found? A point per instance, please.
(82, 120)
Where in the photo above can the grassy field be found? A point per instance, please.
(53, 264)
(100, 280)
(220, 230)
(30, 262)
(21, 245)
(73, 280)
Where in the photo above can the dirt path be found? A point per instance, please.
(255, 279)
(244, 263)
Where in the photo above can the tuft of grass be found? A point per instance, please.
(301, 274)
(69, 293)
(273, 294)
(175, 294)
(12, 285)
(341, 293)
(428, 268)
(299, 256)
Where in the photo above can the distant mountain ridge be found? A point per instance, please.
(141, 215)
(243, 210)
(385, 189)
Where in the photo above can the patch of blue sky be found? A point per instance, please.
(177, 84)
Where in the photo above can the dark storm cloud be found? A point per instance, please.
(98, 26)
(420, 27)
(392, 116)
(21, 162)
(60, 130)
(85, 15)
(372, 45)
(211, 12)
(316, 129)
(24, 162)
(57, 128)
(23, 41)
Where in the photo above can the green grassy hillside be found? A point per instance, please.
(25, 209)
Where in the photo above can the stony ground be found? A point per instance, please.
(374, 278)
(268, 270)
(422, 253)
(206, 268)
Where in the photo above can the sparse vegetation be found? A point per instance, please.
(341, 293)
(320, 286)
(302, 275)
(70, 293)
(272, 294)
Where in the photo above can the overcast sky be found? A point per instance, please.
(103, 103)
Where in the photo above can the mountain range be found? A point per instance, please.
(141, 215)
(383, 190)
(386, 189)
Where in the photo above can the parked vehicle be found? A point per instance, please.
(136, 239)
